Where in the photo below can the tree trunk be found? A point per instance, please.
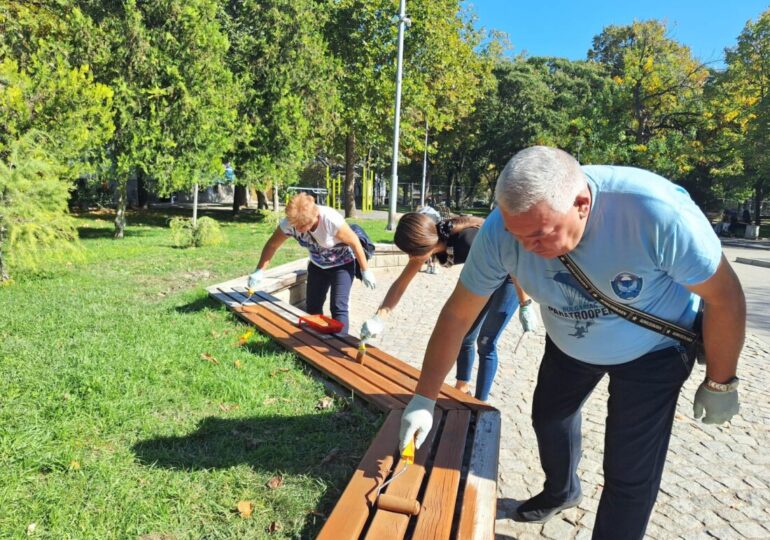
(239, 198)
(4, 276)
(350, 185)
(120, 214)
(142, 194)
(262, 200)
(759, 194)
(276, 205)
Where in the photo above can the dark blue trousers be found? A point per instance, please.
(320, 280)
(640, 414)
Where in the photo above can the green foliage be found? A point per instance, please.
(280, 61)
(34, 222)
(205, 232)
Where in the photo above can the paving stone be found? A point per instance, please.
(558, 529)
(749, 529)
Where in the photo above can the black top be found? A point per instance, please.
(458, 247)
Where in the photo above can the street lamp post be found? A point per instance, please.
(402, 22)
(424, 164)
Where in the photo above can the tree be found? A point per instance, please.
(280, 60)
(165, 63)
(747, 82)
(658, 97)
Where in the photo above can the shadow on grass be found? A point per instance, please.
(159, 217)
(200, 304)
(326, 446)
(89, 233)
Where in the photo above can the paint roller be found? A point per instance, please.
(392, 503)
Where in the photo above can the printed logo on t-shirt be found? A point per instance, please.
(627, 286)
(579, 306)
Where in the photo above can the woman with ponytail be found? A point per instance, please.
(450, 242)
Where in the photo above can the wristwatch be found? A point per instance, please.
(729, 386)
(526, 302)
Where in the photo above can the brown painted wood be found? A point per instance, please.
(393, 525)
(325, 363)
(479, 505)
(438, 504)
(347, 520)
(371, 379)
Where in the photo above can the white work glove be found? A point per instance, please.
(528, 318)
(255, 279)
(372, 328)
(719, 406)
(367, 276)
(416, 421)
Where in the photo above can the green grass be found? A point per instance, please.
(114, 425)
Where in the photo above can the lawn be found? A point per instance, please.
(128, 408)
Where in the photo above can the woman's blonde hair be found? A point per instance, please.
(301, 210)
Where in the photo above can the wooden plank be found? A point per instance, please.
(342, 343)
(392, 525)
(438, 504)
(350, 514)
(372, 379)
(325, 364)
(479, 505)
(379, 361)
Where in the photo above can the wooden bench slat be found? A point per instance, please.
(438, 505)
(372, 370)
(350, 514)
(326, 364)
(361, 373)
(378, 360)
(479, 505)
(392, 525)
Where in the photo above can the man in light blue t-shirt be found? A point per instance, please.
(641, 241)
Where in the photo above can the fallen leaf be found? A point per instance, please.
(269, 401)
(227, 407)
(324, 403)
(208, 358)
(330, 456)
(31, 528)
(275, 372)
(214, 334)
(74, 465)
(245, 508)
(237, 364)
(274, 526)
(245, 337)
(275, 482)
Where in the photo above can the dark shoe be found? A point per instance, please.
(540, 508)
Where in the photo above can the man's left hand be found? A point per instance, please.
(718, 406)
(528, 318)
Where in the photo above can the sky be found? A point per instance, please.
(566, 28)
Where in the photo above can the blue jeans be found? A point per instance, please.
(485, 332)
(319, 280)
(640, 413)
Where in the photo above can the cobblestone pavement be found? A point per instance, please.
(717, 479)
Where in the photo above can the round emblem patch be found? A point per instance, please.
(627, 286)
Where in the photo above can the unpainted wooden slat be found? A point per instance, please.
(479, 505)
(347, 520)
(393, 525)
(438, 504)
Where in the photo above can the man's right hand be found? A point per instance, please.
(372, 328)
(255, 279)
(416, 421)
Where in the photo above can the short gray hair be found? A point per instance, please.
(539, 174)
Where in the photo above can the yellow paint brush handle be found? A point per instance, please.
(407, 454)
